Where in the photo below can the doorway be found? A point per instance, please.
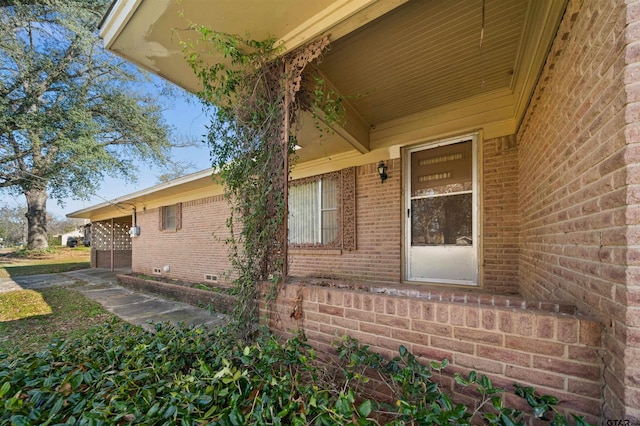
(442, 212)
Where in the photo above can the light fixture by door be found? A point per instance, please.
(382, 171)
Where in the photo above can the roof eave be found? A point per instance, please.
(129, 200)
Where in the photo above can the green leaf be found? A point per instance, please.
(485, 382)
(550, 399)
(403, 350)
(460, 380)
(496, 401)
(20, 421)
(365, 408)
(76, 380)
(170, 411)
(204, 400)
(580, 421)
(153, 410)
(491, 417)
(539, 411)
(236, 418)
(506, 420)
(56, 407)
(6, 386)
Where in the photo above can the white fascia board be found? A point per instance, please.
(157, 188)
(116, 19)
(339, 11)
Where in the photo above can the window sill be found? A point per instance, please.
(311, 251)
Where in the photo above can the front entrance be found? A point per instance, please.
(442, 213)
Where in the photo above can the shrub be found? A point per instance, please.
(119, 374)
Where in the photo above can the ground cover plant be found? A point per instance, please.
(120, 374)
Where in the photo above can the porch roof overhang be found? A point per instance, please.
(190, 187)
(410, 70)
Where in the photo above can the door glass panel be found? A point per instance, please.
(445, 220)
(443, 170)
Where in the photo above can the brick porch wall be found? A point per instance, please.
(558, 353)
(196, 249)
(578, 180)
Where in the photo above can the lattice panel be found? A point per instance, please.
(101, 235)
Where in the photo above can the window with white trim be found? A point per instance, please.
(314, 212)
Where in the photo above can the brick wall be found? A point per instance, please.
(378, 256)
(378, 227)
(630, 331)
(196, 249)
(557, 353)
(214, 300)
(500, 214)
(578, 225)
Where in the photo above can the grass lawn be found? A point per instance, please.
(59, 259)
(30, 320)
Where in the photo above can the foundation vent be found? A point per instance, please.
(157, 271)
(211, 278)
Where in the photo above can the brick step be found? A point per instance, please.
(469, 296)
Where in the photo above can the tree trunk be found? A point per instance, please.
(36, 219)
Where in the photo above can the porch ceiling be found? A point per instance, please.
(426, 54)
(398, 62)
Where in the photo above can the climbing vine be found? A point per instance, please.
(257, 93)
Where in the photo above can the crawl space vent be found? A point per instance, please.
(157, 271)
(210, 277)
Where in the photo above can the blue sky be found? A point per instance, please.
(188, 120)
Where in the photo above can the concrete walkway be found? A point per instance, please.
(102, 286)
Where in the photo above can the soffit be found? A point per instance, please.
(426, 54)
(148, 32)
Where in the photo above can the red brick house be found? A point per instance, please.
(506, 235)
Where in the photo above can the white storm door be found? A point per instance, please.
(442, 222)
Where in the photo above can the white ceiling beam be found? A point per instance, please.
(353, 128)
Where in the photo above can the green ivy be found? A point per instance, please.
(417, 399)
(120, 374)
(256, 94)
(243, 137)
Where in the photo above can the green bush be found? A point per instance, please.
(119, 374)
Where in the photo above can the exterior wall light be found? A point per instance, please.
(382, 171)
